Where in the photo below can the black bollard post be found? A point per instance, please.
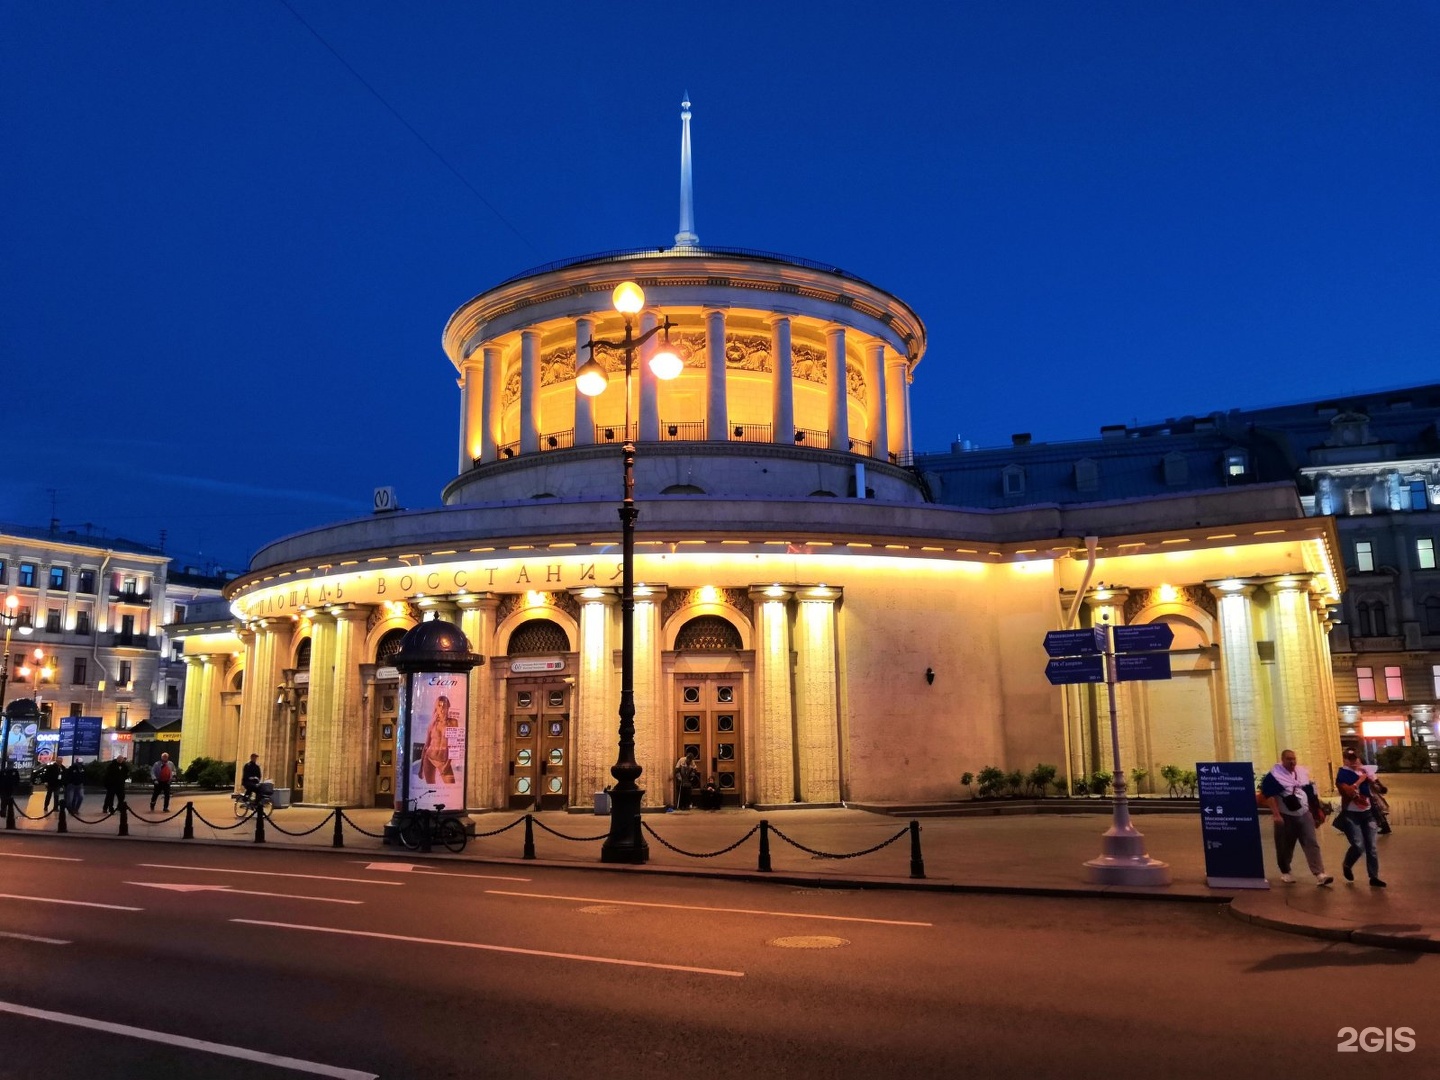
(260, 823)
(917, 864)
(9, 813)
(338, 840)
(60, 811)
(124, 819)
(764, 866)
(529, 838)
(189, 833)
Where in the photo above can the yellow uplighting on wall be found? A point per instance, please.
(534, 599)
(708, 594)
(1168, 594)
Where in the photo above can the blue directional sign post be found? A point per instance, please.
(79, 736)
(1230, 825)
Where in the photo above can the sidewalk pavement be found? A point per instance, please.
(1022, 855)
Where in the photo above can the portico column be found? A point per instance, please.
(490, 404)
(221, 729)
(1245, 733)
(895, 404)
(322, 725)
(584, 405)
(879, 429)
(717, 411)
(486, 734)
(352, 738)
(649, 385)
(837, 387)
(249, 729)
(772, 746)
(529, 391)
(652, 729)
(472, 404)
(194, 723)
(594, 718)
(817, 698)
(1300, 719)
(1110, 607)
(1320, 627)
(782, 359)
(274, 723)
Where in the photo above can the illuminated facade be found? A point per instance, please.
(797, 582)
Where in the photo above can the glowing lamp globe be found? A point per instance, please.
(628, 298)
(665, 364)
(591, 379)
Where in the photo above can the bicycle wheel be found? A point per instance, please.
(452, 834)
(412, 833)
(242, 808)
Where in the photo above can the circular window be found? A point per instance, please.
(556, 785)
(557, 756)
(522, 786)
(523, 757)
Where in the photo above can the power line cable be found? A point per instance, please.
(410, 127)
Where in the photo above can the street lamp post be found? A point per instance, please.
(626, 843)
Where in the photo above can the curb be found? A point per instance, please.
(1339, 933)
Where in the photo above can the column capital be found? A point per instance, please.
(779, 315)
(595, 594)
(349, 612)
(818, 594)
(478, 601)
(771, 594)
(1107, 597)
(1289, 583)
(1232, 587)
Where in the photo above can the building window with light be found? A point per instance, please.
(57, 577)
(122, 716)
(27, 575)
(1236, 462)
(124, 674)
(1365, 683)
(1435, 680)
(1425, 553)
(1419, 496)
(179, 615)
(1364, 557)
(1394, 684)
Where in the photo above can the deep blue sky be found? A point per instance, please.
(227, 262)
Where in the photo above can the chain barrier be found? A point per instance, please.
(304, 832)
(221, 828)
(578, 839)
(848, 855)
(363, 832)
(497, 832)
(156, 821)
(33, 817)
(104, 817)
(699, 854)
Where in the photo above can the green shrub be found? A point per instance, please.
(968, 779)
(1040, 778)
(139, 773)
(1015, 781)
(1059, 784)
(1100, 782)
(217, 774)
(1137, 777)
(1389, 758)
(992, 780)
(1189, 781)
(1172, 776)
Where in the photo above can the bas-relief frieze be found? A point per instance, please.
(679, 599)
(512, 602)
(511, 393)
(557, 365)
(811, 365)
(1196, 596)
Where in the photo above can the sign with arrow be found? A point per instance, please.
(1147, 637)
(1075, 642)
(1230, 825)
(1131, 667)
(1075, 669)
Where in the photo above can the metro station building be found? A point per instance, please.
(808, 620)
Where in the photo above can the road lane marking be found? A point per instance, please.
(407, 868)
(264, 873)
(32, 937)
(185, 1042)
(73, 903)
(47, 858)
(495, 948)
(237, 892)
(717, 910)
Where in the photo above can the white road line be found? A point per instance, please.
(73, 903)
(227, 890)
(32, 937)
(47, 858)
(184, 1042)
(409, 868)
(717, 910)
(265, 873)
(495, 948)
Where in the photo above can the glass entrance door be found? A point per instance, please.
(538, 744)
(387, 713)
(709, 723)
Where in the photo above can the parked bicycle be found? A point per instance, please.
(247, 802)
(423, 828)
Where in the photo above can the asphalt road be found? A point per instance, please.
(357, 967)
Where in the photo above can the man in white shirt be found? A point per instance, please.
(1288, 789)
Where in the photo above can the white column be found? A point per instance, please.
(652, 729)
(895, 403)
(1245, 734)
(594, 720)
(717, 413)
(835, 384)
(485, 738)
(529, 391)
(472, 399)
(879, 432)
(782, 359)
(490, 404)
(817, 698)
(1300, 720)
(194, 720)
(584, 406)
(772, 739)
(352, 737)
(649, 385)
(322, 730)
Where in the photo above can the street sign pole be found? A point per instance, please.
(1122, 860)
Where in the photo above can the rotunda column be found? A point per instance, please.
(717, 412)
(896, 411)
(322, 735)
(248, 730)
(486, 735)
(1300, 720)
(836, 385)
(195, 721)
(817, 698)
(782, 360)
(584, 406)
(879, 429)
(221, 725)
(529, 391)
(772, 735)
(652, 719)
(352, 740)
(1245, 734)
(649, 385)
(472, 405)
(594, 719)
(490, 403)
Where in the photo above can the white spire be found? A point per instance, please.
(686, 237)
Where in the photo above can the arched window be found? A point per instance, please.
(388, 646)
(708, 633)
(302, 655)
(1432, 615)
(539, 636)
(1372, 618)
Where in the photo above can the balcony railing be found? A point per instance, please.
(129, 596)
(558, 440)
(690, 431)
(813, 438)
(751, 433)
(614, 433)
(122, 640)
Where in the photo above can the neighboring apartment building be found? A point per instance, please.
(95, 610)
(1370, 460)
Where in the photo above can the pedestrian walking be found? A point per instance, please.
(685, 776)
(1355, 820)
(116, 773)
(52, 775)
(1295, 810)
(161, 772)
(74, 785)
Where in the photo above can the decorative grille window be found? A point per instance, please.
(539, 636)
(302, 655)
(707, 633)
(388, 647)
